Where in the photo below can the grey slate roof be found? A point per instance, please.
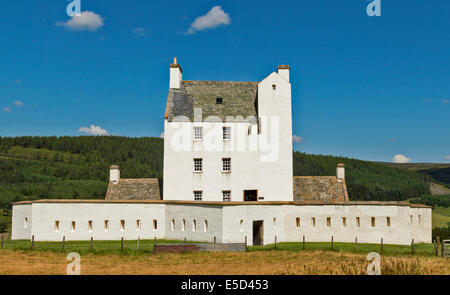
(135, 189)
(238, 99)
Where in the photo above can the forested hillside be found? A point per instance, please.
(78, 167)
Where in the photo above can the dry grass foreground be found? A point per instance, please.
(256, 263)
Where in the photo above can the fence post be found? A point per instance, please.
(381, 248)
(121, 244)
(332, 242)
(438, 241)
(214, 239)
(356, 244)
(275, 242)
(32, 241)
(304, 245)
(435, 248)
(412, 246)
(138, 242)
(92, 243)
(245, 241)
(64, 239)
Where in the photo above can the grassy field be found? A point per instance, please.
(17, 257)
(440, 216)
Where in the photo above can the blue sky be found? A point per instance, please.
(363, 87)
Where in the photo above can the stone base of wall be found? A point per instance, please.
(177, 248)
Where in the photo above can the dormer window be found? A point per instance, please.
(219, 100)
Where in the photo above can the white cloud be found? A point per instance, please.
(447, 157)
(18, 103)
(86, 21)
(93, 130)
(7, 109)
(296, 138)
(399, 158)
(215, 17)
(161, 135)
(141, 32)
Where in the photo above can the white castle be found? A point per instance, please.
(228, 177)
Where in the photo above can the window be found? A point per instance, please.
(372, 221)
(241, 225)
(226, 164)
(89, 225)
(25, 222)
(226, 196)
(358, 222)
(73, 226)
(274, 87)
(106, 225)
(198, 133)
(344, 221)
(138, 224)
(249, 131)
(57, 226)
(328, 221)
(388, 221)
(411, 217)
(297, 221)
(274, 223)
(122, 225)
(198, 195)
(420, 219)
(172, 224)
(313, 221)
(198, 167)
(219, 100)
(226, 132)
(155, 224)
(183, 225)
(194, 225)
(205, 225)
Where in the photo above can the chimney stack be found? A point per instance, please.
(340, 172)
(283, 71)
(175, 75)
(114, 174)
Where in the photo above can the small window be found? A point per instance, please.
(420, 219)
(241, 225)
(90, 225)
(198, 167)
(274, 222)
(226, 195)
(328, 221)
(25, 222)
(122, 225)
(249, 131)
(226, 133)
(73, 226)
(297, 221)
(411, 217)
(226, 164)
(183, 225)
(138, 224)
(57, 226)
(313, 221)
(205, 225)
(358, 222)
(155, 224)
(219, 100)
(194, 225)
(172, 224)
(106, 225)
(372, 221)
(344, 221)
(274, 86)
(388, 221)
(198, 133)
(198, 195)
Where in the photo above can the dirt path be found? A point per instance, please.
(270, 262)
